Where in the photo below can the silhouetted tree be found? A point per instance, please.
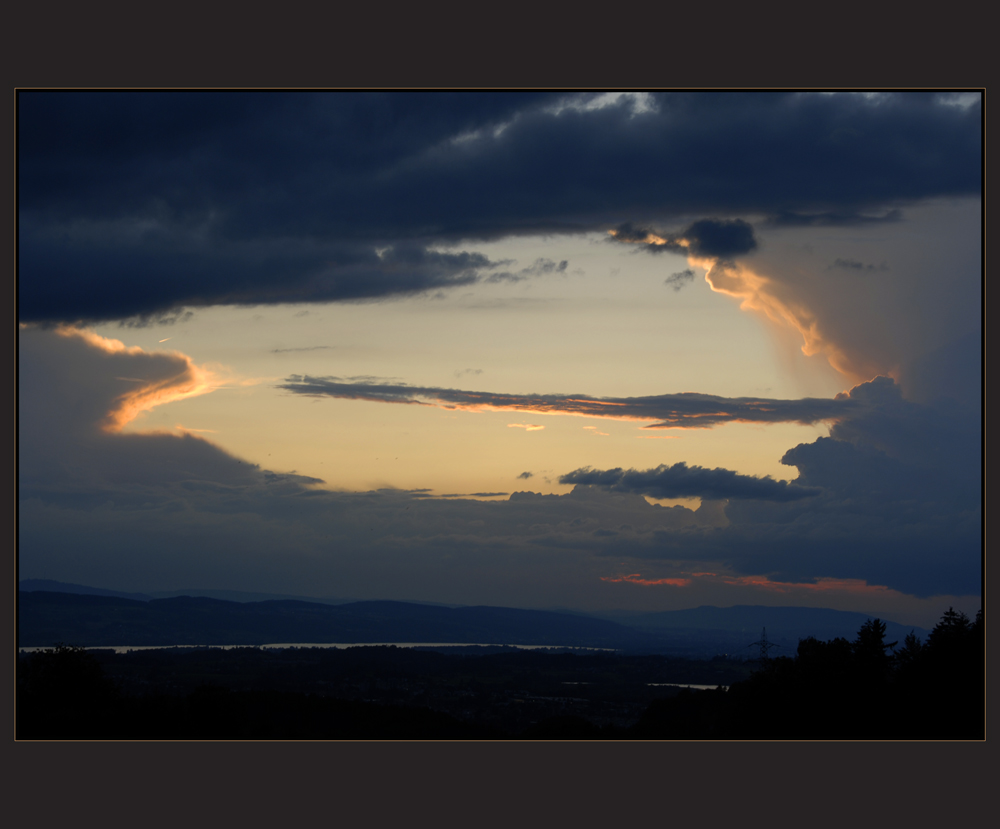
(909, 653)
(953, 628)
(870, 655)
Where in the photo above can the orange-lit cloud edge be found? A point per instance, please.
(189, 381)
(759, 293)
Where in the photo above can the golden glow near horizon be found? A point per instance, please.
(608, 327)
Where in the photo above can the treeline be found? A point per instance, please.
(838, 689)
(865, 689)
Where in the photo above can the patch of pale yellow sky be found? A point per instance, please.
(607, 326)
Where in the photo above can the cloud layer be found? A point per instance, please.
(138, 204)
(882, 503)
(682, 481)
(687, 410)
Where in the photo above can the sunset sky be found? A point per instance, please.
(589, 351)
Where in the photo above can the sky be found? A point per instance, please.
(592, 351)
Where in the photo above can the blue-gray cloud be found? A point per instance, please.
(684, 410)
(134, 204)
(683, 481)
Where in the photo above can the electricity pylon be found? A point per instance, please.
(764, 646)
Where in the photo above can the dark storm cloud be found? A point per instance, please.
(685, 410)
(134, 204)
(707, 237)
(895, 499)
(683, 481)
(127, 273)
(833, 219)
(723, 240)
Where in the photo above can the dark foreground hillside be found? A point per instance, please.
(360, 692)
(865, 689)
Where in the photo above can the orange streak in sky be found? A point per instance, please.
(826, 585)
(759, 293)
(636, 578)
(189, 381)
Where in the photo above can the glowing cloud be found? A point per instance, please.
(711, 246)
(764, 296)
(528, 427)
(179, 378)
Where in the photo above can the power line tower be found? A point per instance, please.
(765, 647)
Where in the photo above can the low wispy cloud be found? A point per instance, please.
(854, 265)
(474, 495)
(181, 428)
(683, 481)
(525, 475)
(689, 410)
(540, 267)
(679, 280)
(528, 427)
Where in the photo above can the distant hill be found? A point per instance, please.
(790, 623)
(246, 596)
(51, 611)
(45, 618)
(48, 585)
(34, 585)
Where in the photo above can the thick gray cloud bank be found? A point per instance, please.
(894, 498)
(683, 481)
(141, 203)
(685, 410)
